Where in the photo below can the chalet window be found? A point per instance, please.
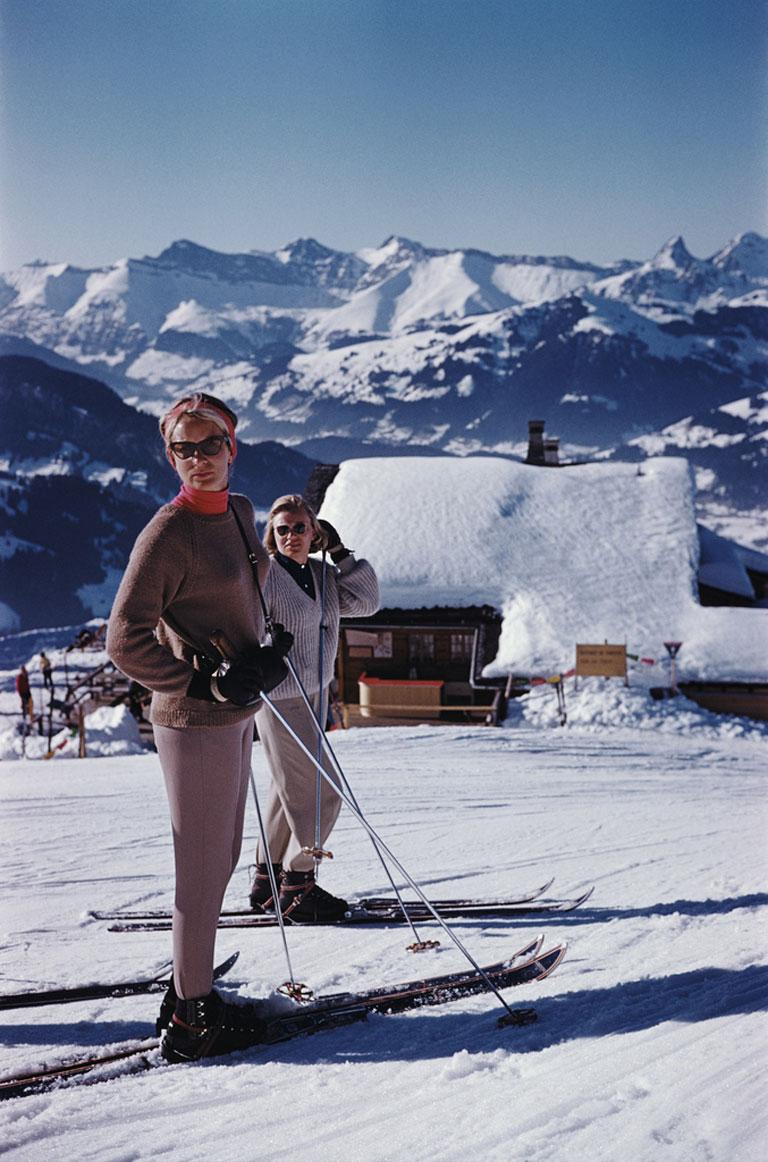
(461, 647)
(363, 644)
(421, 647)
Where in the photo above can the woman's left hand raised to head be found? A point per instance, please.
(333, 540)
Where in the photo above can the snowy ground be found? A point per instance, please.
(651, 1036)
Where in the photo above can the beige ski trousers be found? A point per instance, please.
(206, 771)
(289, 815)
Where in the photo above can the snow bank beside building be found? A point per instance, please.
(109, 731)
(584, 554)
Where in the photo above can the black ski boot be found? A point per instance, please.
(261, 889)
(210, 1027)
(167, 1008)
(302, 901)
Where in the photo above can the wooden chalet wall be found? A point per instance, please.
(452, 645)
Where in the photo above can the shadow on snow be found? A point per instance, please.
(601, 915)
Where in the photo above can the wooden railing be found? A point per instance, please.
(424, 712)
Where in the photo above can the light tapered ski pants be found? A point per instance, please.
(289, 816)
(206, 771)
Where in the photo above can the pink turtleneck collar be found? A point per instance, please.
(200, 501)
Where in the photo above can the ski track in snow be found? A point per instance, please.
(651, 1036)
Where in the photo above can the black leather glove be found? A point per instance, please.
(334, 543)
(262, 668)
(243, 681)
(273, 669)
(282, 639)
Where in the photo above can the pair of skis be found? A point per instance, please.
(296, 1019)
(369, 910)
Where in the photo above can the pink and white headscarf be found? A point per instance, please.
(207, 408)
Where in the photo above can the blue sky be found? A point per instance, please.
(596, 128)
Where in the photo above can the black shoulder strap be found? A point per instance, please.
(254, 563)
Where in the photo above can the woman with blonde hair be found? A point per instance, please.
(185, 625)
(307, 597)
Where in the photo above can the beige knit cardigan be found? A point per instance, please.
(351, 590)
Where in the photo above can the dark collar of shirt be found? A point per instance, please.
(302, 574)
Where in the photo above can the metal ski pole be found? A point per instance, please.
(319, 715)
(419, 945)
(292, 988)
(374, 835)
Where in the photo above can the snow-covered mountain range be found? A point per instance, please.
(403, 345)
(401, 348)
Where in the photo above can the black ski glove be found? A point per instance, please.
(334, 543)
(243, 681)
(262, 668)
(282, 639)
(272, 666)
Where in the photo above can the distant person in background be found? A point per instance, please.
(25, 694)
(335, 718)
(137, 697)
(46, 670)
(189, 587)
(307, 597)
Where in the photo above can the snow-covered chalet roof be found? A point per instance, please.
(582, 554)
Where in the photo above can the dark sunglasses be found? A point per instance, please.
(299, 528)
(210, 446)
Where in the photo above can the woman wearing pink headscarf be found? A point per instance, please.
(186, 603)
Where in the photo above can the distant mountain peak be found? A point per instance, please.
(746, 254)
(398, 247)
(310, 263)
(400, 242)
(749, 238)
(674, 253)
(306, 250)
(199, 260)
(181, 249)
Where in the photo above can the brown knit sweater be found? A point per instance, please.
(188, 577)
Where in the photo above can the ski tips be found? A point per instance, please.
(223, 968)
(560, 950)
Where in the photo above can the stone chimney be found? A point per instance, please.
(535, 442)
(321, 477)
(552, 450)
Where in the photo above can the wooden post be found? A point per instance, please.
(81, 731)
